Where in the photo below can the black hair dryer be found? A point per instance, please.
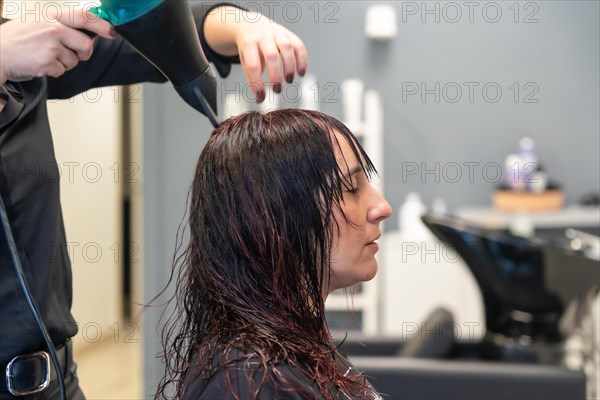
(164, 32)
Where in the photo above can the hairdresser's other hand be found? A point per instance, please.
(261, 44)
(49, 47)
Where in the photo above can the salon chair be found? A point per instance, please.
(526, 286)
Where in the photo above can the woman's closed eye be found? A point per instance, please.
(355, 179)
(354, 185)
(353, 189)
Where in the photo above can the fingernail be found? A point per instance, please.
(302, 72)
(289, 78)
(277, 88)
(260, 96)
(113, 33)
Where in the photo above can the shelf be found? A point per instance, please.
(567, 217)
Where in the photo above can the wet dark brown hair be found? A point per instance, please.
(260, 237)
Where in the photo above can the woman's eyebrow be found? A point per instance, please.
(353, 171)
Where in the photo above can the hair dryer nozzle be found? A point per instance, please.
(201, 94)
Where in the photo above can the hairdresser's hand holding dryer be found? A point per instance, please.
(49, 57)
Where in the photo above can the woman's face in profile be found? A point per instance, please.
(354, 245)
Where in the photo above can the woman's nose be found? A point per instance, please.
(380, 209)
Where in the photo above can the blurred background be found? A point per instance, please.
(441, 94)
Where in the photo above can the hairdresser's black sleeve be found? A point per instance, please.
(201, 10)
(113, 62)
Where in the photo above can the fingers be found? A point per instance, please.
(32, 48)
(68, 59)
(80, 19)
(56, 69)
(252, 65)
(288, 57)
(300, 52)
(278, 51)
(272, 63)
(78, 42)
(56, 60)
(282, 56)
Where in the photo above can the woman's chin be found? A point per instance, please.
(370, 271)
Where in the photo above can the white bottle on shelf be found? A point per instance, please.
(409, 219)
(352, 97)
(529, 161)
(309, 90)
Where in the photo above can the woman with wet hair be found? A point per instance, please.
(45, 55)
(282, 213)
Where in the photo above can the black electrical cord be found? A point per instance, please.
(12, 248)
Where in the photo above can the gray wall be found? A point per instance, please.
(557, 57)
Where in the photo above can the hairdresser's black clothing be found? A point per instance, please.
(29, 186)
(284, 381)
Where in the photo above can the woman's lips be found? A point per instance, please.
(373, 245)
(375, 239)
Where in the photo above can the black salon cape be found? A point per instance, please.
(29, 186)
(244, 374)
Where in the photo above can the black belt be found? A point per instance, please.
(32, 373)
